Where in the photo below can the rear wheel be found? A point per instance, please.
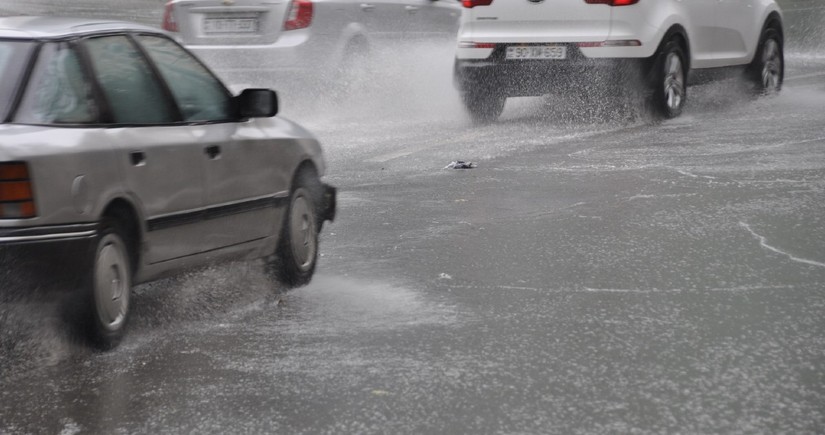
(106, 294)
(669, 80)
(767, 71)
(483, 107)
(297, 252)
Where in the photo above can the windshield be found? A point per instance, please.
(13, 56)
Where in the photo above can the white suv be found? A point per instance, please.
(509, 48)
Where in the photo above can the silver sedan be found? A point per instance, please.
(124, 158)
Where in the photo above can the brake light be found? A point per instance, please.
(170, 24)
(612, 2)
(473, 3)
(299, 15)
(16, 193)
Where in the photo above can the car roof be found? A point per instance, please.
(36, 27)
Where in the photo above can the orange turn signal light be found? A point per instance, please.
(16, 193)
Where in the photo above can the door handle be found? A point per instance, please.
(367, 7)
(138, 158)
(213, 151)
(411, 9)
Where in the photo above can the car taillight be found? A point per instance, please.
(473, 3)
(612, 2)
(299, 15)
(16, 193)
(169, 22)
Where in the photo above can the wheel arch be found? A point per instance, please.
(306, 166)
(680, 33)
(126, 214)
(772, 21)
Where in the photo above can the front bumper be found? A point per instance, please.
(44, 259)
(517, 78)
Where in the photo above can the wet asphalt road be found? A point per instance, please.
(586, 277)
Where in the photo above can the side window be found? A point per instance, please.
(58, 91)
(200, 96)
(133, 92)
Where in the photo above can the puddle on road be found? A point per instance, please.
(332, 305)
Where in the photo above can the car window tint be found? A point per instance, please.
(58, 90)
(132, 90)
(13, 58)
(200, 96)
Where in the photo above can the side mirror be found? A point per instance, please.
(257, 103)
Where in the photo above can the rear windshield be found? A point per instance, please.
(14, 56)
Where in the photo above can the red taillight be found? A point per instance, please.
(299, 15)
(16, 195)
(169, 22)
(612, 2)
(473, 3)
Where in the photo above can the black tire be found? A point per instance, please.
(767, 71)
(668, 80)
(297, 252)
(483, 107)
(106, 293)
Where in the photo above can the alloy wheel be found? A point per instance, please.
(674, 82)
(302, 232)
(771, 66)
(112, 283)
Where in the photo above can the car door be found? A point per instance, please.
(158, 155)
(700, 19)
(738, 30)
(240, 164)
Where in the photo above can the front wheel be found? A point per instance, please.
(669, 80)
(297, 252)
(106, 295)
(768, 68)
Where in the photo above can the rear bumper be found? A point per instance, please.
(44, 259)
(538, 77)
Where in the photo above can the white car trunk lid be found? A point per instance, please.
(545, 21)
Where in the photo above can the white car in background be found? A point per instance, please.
(509, 48)
(303, 36)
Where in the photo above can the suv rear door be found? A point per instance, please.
(237, 22)
(738, 29)
(547, 21)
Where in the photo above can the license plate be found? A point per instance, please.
(231, 25)
(537, 52)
